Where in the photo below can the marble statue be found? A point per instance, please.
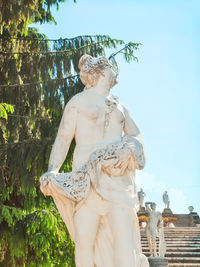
(166, 199)
(141, 195)
(98, 199)
(154, 228)
(190, 208)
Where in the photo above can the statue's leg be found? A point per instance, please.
(86, 225)
(121, 225)
(150, 243)
(154, 244)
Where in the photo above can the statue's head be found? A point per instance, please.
(92, 69)
(153, 206)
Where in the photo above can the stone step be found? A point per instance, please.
(177, 238)
(178, 242)
(177, 249)
(174, 248)
(181, 229)
(177, 254)
(183, 246)
(180, 234)
(177, 233)
(184, 265)
(171, 248)
(168, 241)
(183, 260)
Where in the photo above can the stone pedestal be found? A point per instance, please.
(158, 262)
(167, 212)
(142, 209)
(195, 217)
(142, 212)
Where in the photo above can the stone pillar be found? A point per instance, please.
(158, 262)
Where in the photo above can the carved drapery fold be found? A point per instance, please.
(75, 185)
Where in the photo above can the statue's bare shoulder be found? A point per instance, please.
(74, 101)
(77, 101)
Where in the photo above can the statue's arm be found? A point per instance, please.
(160, 220)
(64, 137)
(147, 207)
(132, 132)
(130, 126)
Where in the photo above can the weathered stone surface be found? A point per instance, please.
(158, 262)
(167, 212)
(184, 220)
(98, 199)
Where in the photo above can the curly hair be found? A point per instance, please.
(91, 68)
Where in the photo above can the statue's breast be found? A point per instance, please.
(98, 109)
(92, 111)
(119, 115)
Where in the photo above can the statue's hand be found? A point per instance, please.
(117, 165)
(45, 177)
(122, 159)
(44, 182)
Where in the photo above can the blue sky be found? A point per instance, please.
(161, 91)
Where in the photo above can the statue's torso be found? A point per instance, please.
(91, 132)
(153, 219)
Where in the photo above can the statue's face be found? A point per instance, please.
(111, 75)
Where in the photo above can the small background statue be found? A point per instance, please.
(190, 208)
(141, 195)
(155, 229)
(166, 199)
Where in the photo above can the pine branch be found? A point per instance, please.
(60, 39)
(26, 141)
(28, 117)
(72, 50)
(35, 83)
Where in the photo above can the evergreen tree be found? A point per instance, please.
(37, 77)
(16, 15)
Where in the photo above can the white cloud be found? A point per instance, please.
(178, 200)
(149, 182)
(154, 188)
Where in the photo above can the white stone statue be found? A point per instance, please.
(155, 229)
(98, 199)
(190, 208)
(141, 195)
(166, 199)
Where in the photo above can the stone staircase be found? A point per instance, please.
(183, 246)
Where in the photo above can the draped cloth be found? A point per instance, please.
(99, 176)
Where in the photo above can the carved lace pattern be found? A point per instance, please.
(76, 184)
(111, 103)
